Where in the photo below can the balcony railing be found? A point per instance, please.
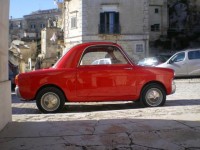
(109, 29)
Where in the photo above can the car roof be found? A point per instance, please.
(94, 43)
(187, 50)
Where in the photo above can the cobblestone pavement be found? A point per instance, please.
(109, 126)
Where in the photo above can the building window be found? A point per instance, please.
(156, 10)
(33, 26)
(155, 27)
(109, 23)
(139, 48)
(74, 22)
(42, 25)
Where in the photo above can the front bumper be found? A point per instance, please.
(173, 87)
(18, 93)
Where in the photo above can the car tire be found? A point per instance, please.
(50, 100)
(153, 95)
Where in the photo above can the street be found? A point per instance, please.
(109, 125)
(187, 95)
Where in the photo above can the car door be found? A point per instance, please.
(193, 62)
(105, 80)
(179, 64)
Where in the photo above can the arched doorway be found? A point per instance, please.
(5, 90)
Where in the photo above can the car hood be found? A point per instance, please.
(157, 70)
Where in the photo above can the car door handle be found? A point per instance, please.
(128, 68)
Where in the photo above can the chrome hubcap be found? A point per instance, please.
(154, 97)
(50, 101)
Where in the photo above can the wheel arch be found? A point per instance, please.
(153, 82)
(143, 101)
(50, 85)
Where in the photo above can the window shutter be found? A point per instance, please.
(102, 23)
(102, 18)
(117, 26)
(117, 18)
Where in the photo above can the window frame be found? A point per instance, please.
(194, 55)
(73, 22)
(141, 48)
(156, 11)
(105, 48)
(173, 59)
(109, 22)
(155, 27)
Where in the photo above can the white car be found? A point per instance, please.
(184, 63)
(102, 61)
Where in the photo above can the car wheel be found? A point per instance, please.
(50, 100)
(153, 95)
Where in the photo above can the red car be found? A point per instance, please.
(75, 78)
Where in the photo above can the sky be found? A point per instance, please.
(19, 8)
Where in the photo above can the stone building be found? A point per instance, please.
(28, 30)
(158, 22)
(51, 50)
(123, 21)
(38, 20)
(5, 96)
(16, 28)
(29, 27)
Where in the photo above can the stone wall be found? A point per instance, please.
(5, 89)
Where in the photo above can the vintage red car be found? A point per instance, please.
(76, 78)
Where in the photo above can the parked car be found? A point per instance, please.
(166, 56)
(184, 63)
(75, 79)
(152, 61)
(102, 61)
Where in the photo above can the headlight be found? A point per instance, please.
(16, 79)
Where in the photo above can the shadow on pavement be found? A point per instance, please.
(190, 77)
(103, 134)
(183, 102)
(99, 107)
(30, 108)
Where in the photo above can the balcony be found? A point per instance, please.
(109, 29)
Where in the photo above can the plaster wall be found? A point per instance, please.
(134, 23)
(73, 35)
(5, 89)
(131, 12)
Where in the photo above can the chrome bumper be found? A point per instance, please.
(173, 87)
(18, 93)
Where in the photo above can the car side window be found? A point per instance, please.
(102, 55)
(194, 55)
(179, 57)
